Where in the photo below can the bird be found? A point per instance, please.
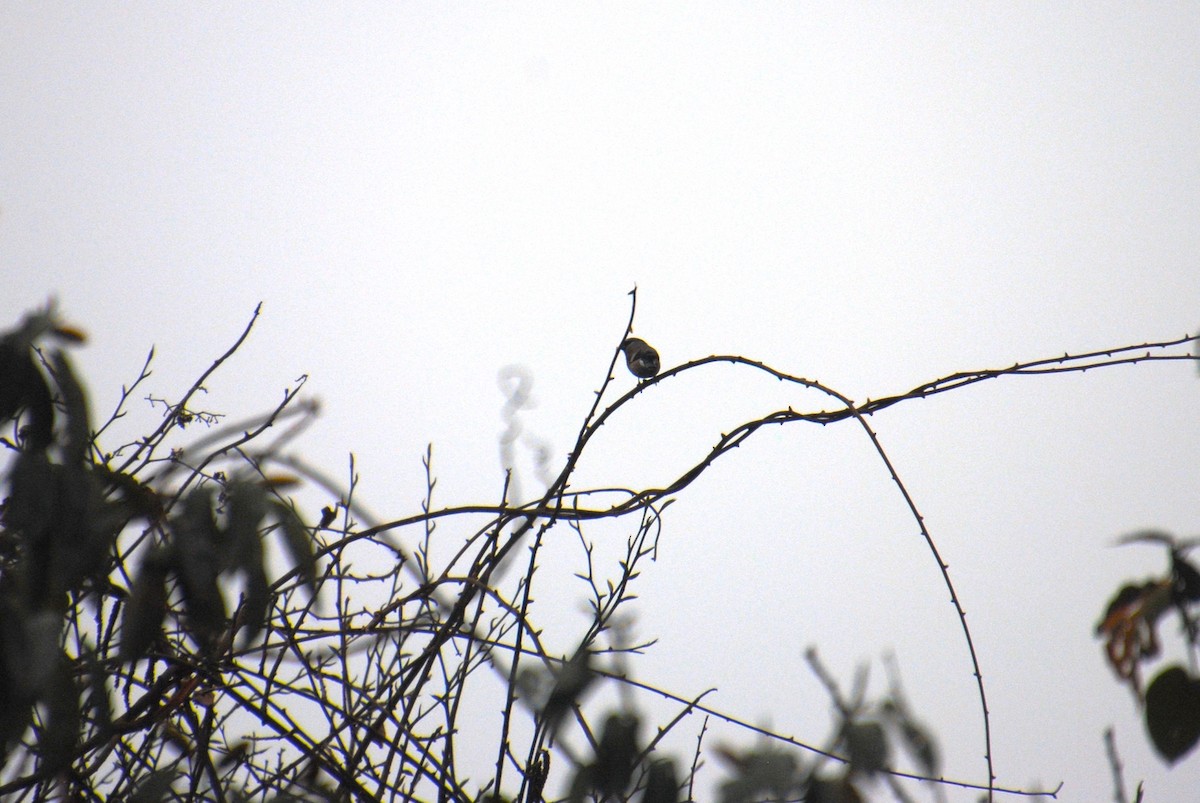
(642, 360)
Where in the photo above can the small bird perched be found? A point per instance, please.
(641, 358)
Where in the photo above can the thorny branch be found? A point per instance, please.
(357, 693)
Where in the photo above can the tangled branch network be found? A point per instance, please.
(348, 676)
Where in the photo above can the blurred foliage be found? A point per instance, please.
(66, 508)
(1129, 628)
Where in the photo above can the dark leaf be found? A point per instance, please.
(107, 518)
(246, 507)
(63, 523)
(616, 754)
(198, 564)
(245, 510)
(23, 386)
(37, 671)
(16, 698)
(662, 786)
(1186, 577)
(572, 679)
(14, 377)
(77, 437)
(141, 621)
(1173, 713)
(299, 543)
(38, 434)
(32, 497)
(921, 746)
(83, 527)
(29, 514)
(61, 734)
(256, 604)
(866, 747)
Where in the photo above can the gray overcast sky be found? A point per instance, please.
(873, 196)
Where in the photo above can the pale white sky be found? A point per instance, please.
(873, 196)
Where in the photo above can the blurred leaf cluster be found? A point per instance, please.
(66, 507)
(868, 736)
(60, 519)
(1129, 628)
